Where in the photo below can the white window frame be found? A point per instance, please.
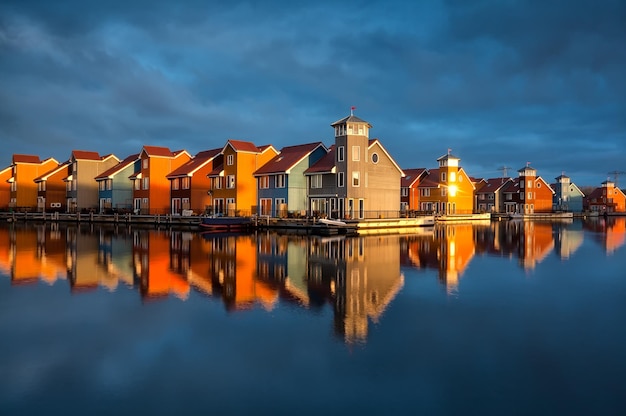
(356, 153)
(356, 179)
(316, 181)
(264, 182)
(340, 154)
(175, 184)
(340, 180)
(279, 181)
(185, 182)
(145, 183)
(230, 160)
(230, 182)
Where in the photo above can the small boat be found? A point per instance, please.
(218, 223)
(329, 221)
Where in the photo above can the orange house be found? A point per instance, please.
(233, 186)
(25, 168)
(189, 184)
(51, 193)
(607, 199)
(528, 193)
(448, 189)
(409, 191)
(151, 188)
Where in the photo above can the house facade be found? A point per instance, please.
(5, 187)
(151, 188)
(367, 179)
(528, 193)
(233, 185)
(81, 186)
(51, 196)
(23, 190)
(447, 189)
(567, 196)
(409, 191)
(282, 185)
(190, 183)
(115, 189)
(606, 199)
(488, 195)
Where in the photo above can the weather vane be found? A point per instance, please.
(352, 110)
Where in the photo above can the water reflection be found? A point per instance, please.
(357, 277)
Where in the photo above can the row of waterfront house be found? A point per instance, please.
(355, 177)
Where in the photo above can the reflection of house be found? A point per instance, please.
(190, 184)
(409, 191)
(25, 168)
(606, 199)
(489, 194)
(233, 185)
(567, 241)
(83, 262)
(115, 189)
(447, 189)
(567, 196)
(152, 263)
(536, 242)
(82, 188)
(151, 188)
(51, 189)
(24, 266)
(282, 185)
(234, 273)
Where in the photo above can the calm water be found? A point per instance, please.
(501, 318)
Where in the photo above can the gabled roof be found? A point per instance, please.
(512, 186)
(411, 176)
(26, 159)
(109, 173)
(350, 119)
(217, 170)
(325, 165)
(288, 157)
(85, 155)
(493, 185)
(157, 151)
(431, 180)
(242, 146)
(372, 142)
(448, 156)
(198, 161)
(51, 172)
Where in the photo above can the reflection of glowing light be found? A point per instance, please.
(452, 189)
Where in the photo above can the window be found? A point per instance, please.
(137, 184)
(443, 176)
(356, 153)
(452, 176)
(186, 204)
(405, 191)
(538, 184)
(230, 160)
(186, 182)
(280, 181)
(264, 182)
(425, 192)
(316, 181)
(530, 184)
(340, 154)
(460, 178)
(356, 178)
(340, 180)
(444, 191)
(217, 182)
(530, 195)
(374, 158)
(175, 184)
(230, 181)
(100, 186)
(109, 184)
(145, 163)
(521, 195)
(146, 183)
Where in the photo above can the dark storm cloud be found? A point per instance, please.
(501, 83)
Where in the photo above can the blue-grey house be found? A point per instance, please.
(567, 196)
(281, 184)
(115, 189)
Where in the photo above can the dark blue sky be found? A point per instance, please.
(501, 83)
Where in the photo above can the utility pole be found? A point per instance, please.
(505, 170)
(616, 174)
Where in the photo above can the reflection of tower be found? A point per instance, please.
(367, 278)
(536, 242)
(456, 249)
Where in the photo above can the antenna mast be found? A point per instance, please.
(616, 174)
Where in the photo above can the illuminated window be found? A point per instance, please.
(230, 160)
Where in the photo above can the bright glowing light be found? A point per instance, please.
(452, 190)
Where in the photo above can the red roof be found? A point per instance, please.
(85, 155)
(26, 159)
(325, 164)
(217, 169)
(158, 151)
(431, 180)
(52, 171)
(492, 184)
(241, 146)
(411, 175)
(512, 186)
(113, 170)
(287, 158)
(197, 162)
